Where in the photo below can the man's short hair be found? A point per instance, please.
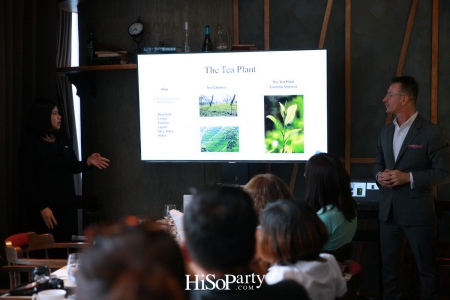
(220, 225)
(409, 86)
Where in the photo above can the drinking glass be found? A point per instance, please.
(73, 264)
(166, 213)
(52, 294)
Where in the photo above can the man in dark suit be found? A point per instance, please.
(412, 156)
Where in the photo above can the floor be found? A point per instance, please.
(369, 259)
(410, 287)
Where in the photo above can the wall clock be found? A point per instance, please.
(136, 30)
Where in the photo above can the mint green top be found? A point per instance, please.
(340, 230)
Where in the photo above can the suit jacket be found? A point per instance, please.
(425, 153)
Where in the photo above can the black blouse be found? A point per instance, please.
(46, 171)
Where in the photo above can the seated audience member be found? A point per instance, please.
(131, 261)
(263, 189)
(266, 188)
(328, 193)
(292, 237)
(219, 225)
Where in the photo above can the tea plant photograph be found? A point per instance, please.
(218, 106)
(284, 124)
(219, 139)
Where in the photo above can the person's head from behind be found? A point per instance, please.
(43, 117)
(290, 231)
(131, 261)
(328, 183)
(219, 226)
(266, 188)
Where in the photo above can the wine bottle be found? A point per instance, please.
(186, 39)
(207, 43)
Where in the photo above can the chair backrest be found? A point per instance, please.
(18, 240)
(15, 246)
(47, 241)
(22, 252)
(20, 249)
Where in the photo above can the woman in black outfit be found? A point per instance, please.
(47, 163)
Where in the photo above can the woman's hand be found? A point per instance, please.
(48, 217)
(99, 161)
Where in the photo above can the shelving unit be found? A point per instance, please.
(71, 70)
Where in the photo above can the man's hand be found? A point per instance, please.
(48, 217)
(392, 178)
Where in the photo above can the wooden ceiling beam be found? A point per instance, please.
(434, 61)
(403, 52)
(347, 76)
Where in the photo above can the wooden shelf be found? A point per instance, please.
(95, 68)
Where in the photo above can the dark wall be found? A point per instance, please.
(110, 117)
(377, 33)
(112, 121)
(163, 21)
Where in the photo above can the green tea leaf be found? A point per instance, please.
(282, 109)
(290, 114)
(292, 133)
(276, 122)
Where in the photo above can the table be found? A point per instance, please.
(61, 273)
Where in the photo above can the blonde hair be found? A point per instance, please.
(266, 188)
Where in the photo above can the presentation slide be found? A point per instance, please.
(252, 106)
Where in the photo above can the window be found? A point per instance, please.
(74, 63)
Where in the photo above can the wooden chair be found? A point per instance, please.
(22, 251)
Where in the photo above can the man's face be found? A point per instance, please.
(394, 98)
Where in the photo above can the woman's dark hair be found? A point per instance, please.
(327, 182)
(39, 117)
(132, 261)
(290, 231)
(266, 188)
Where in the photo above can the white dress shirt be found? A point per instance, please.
(323, 280)
(400, 133)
